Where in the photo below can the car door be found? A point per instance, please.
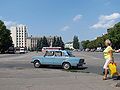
(49, 58)
(59, 58)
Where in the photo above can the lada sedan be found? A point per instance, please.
(58, 58)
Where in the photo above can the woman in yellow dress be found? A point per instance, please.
(108, 55)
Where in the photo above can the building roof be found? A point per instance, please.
(69, 43)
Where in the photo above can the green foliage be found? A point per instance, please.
(42, 43)
(85, 44)
(76, 44)
(5, 38)
(113, 34)
(45, 42)
(56, 42)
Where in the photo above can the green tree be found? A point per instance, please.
(45, 42)
(54, 42)
(92, 44)
(85, 44)
(40, 44)
(58, 42)
(76, 44)
(61, 43)
(5, 38)
(114, 35)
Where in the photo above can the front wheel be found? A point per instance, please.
(66, 66)
(37, 64)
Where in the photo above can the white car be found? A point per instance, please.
(22, 50)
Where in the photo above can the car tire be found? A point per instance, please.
(37, 64)
(66, 66)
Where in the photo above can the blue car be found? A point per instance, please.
(58, 58)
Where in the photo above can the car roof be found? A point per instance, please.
(57, 50)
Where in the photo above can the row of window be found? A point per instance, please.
(21, 35)
(21, 29)
(20, 41)
(20, 44)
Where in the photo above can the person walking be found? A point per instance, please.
(108, 55)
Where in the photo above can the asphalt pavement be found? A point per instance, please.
(17, 73)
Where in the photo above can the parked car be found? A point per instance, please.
(22, 50)
(58, 58)
(117, 51)
(11, 50)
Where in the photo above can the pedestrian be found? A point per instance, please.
(108, 55)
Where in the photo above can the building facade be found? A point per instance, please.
(69, 45)
(19, 35)
(32, 42)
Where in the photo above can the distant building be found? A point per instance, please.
(69, 45)
(19, 35)
(32, 42)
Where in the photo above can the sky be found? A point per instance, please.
(87, 19)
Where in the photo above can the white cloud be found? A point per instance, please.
(106, 21)
(65, 28)
(77, 17)
(10, 23)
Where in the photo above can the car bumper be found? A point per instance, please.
(80, 64)
(32, 61)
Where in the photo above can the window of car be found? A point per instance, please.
(58, 53)
(49, 53)
(70, 54)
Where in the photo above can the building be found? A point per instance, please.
(69, 45)
(32, 42)
(19, 35)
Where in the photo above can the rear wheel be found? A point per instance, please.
(66, 66)
(37, 64)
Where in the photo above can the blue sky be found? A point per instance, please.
(85, 18)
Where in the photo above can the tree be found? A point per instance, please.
(114, 35)
(58, 42)
(54, 42)
(5, 38)
(85, 44)
(39, 45)
(45, 42)
(76, 42)
(42, 43)
(61, 43)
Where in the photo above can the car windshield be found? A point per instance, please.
(70, 54)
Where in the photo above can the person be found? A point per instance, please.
(108, 55)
